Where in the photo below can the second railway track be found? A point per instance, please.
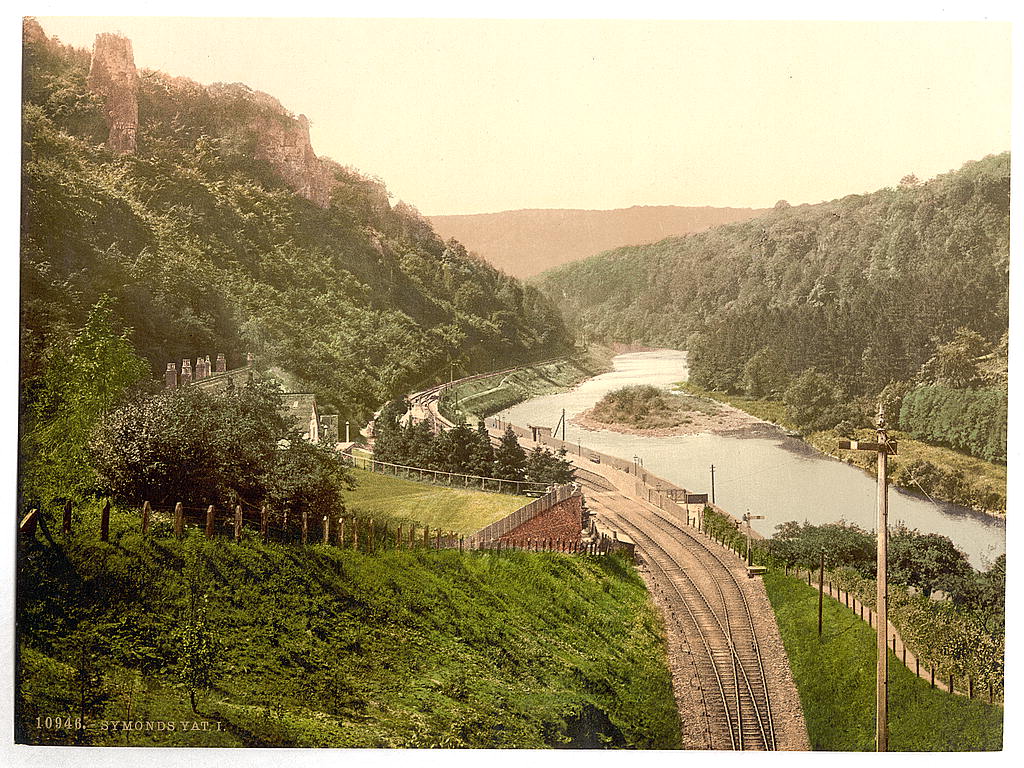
(710, 606)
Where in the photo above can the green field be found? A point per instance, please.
(453, 509)
(322, 647)
(835, 675)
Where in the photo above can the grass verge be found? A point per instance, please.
(453, 509)
(835, 675)
(323, 647)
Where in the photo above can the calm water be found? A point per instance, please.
(779, 477)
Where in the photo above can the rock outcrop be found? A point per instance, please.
(280, 138)
(113, 77)
(282, 141)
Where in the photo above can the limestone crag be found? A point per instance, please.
(279, 138)
(112, 76)
(282, 140)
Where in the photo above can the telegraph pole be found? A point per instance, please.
(883, 447)
(712, 483)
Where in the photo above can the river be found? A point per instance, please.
(779, 477)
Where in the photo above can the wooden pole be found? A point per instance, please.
(209, 522)
(341, 531)
(882, 598)
(305, 526)
(179, 520)
(146, 509)
(264, 524)
(238, 523)
(66, 524)
(105, 522)
(398, 538)
(370, 541)
(355, 533)
(821, 591)
(327, 529)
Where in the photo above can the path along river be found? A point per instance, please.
(780, 477)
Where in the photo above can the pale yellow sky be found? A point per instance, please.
(474, 116)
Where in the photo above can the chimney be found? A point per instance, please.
(222, 364)
(186, 372)
(171, 376)
(207, 367)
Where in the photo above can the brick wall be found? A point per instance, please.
(562, 521)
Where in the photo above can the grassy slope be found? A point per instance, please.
(836, 679)
(982, 474)
(454, 509)
(486, 396)
(328, 647)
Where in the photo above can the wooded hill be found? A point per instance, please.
(907, 284)
(525, 243)
(205, 249)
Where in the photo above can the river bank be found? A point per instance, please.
(482, 397)
(929, 471)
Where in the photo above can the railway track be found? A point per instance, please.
(710, 607)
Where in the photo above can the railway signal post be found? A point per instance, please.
(883, 447)
(746, 519)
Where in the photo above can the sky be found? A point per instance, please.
(473, 116)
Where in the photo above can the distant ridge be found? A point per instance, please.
(526, 242)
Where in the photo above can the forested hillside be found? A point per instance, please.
(204, 248)
(826, 305)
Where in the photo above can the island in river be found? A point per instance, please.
(648, 410)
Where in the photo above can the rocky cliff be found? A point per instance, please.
(277, 137)
(113, 77)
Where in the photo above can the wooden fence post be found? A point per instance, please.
(179, 520)
(327, 530)
(284, 523)
(355, 533)
(933, 675)
(145, 517)
(917, 666)
(28, 523)
(238, 523)
(105, 522)
(264, 524)
(305, 526)
(951, 684)
(66, 525)
(341, 531)
(460, 543)
(371, 541)
(209, 522)
(437, 539)
(398, 538)
(970, 687)
(991, 690)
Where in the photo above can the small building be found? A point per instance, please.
(299, 407)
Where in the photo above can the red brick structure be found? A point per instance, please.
(563, 521)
